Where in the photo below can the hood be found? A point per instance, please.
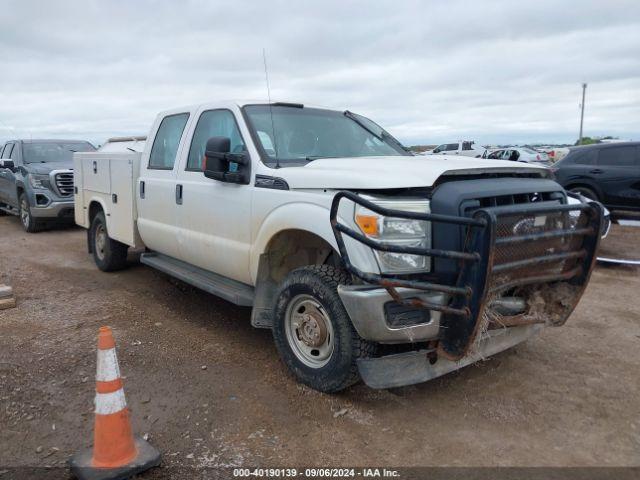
(392, 172)
(45, 168)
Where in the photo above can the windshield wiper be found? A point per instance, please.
(317, 157)
(353, 117)
(387, 136)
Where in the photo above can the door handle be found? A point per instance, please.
(596, 171)
(95, 167)
(179, 194)
(141, 188)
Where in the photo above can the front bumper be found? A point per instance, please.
(54, 210)
(414, 367)
(365, 305)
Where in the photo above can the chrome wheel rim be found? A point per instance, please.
(24, 213)
(309, 331)
(101, 241)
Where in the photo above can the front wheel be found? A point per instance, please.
(29, 223)
(109, 254)
(313, 332)
(585, 192)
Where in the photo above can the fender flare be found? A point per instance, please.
(293, 216)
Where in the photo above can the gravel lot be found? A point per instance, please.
(209, 390)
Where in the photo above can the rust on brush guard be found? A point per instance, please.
(544, 253)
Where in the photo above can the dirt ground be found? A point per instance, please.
(209, 390)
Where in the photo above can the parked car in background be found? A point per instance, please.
(555, 154)
(464, 148)
(609, 173)
(124, 144)
(519, 154)
(36, 180)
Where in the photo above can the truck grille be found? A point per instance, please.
(470, 206)
(532, 247)
(64, 183)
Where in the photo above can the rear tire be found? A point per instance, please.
(585, 192)
(313, 332)
(30, 224)
(109, 254)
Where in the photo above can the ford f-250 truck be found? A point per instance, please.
(364, 261)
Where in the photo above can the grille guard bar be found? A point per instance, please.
(461, 317)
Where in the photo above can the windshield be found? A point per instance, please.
(289, 134)
(50, 152)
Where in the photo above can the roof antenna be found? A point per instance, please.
(273, 128)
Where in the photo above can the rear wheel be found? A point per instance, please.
(313, 332)
(29, 223)
(109, 254)
(585, 192)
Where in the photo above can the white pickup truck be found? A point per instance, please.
(465, 148)
(365, 261)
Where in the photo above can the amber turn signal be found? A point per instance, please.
(368, 224)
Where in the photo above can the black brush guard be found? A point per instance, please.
(504, 248)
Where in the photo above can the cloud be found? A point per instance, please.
(496, 71)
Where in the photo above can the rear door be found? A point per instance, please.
(157, 214)
(617, 173)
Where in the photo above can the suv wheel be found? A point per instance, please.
(313, 332)
(585, 192)
(109, 254)
(29, 223)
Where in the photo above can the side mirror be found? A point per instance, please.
(219, 164)
(7, 163)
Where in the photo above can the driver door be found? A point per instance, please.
(8, 190)
(214, 231)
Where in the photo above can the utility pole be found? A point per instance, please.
(584, 88)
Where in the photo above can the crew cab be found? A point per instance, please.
(36, 180)
(364, 260)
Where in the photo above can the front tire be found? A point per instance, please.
(586, 192)
(313, 332)
(30, 224)
(109, 254)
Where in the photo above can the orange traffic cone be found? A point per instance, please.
(116, 453)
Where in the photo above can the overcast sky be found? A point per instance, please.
(494, 71)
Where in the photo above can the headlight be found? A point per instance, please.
(398, 231)
(39, 181)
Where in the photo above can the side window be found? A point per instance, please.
(587, 157)
(165, 145)
(451, 147)
(8, 149)
(213, 123)
(617, 156)
(466, 146)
